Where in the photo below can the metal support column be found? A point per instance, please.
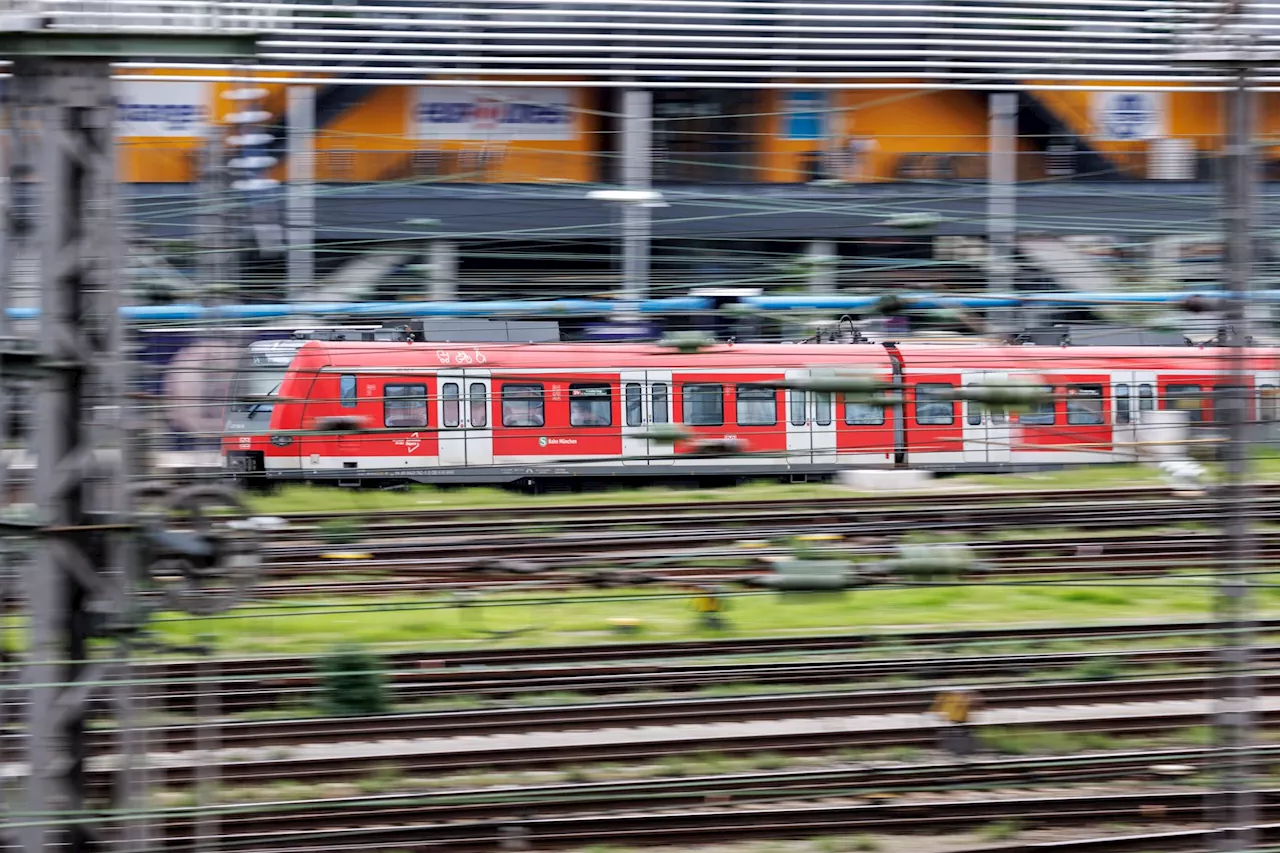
(76, 584)
(79, 585)
(1002, 195)
(214, 263)
(1236, 697)
(300, 199)
(637, 174)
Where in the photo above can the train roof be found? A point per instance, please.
(400, 355)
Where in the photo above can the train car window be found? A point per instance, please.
(975, 410)
(1146, 398)
(1084, 405)
(1269, 410)
(347, 390)
(1041, 413)
(590, 405)
(660, 415)
(757, 406)
(798, 396)
(452, 406)
(479, 404)
(522, 406)
(635, 403)
(1186, 398)
(1228, 396)
(1122, 403)
(930, 410)
(704, 405)
(861, 413)
(822, 408)
(404, 406)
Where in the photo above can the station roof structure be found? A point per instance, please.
(952, 44)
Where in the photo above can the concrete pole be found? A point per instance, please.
(637, 174)
(300, 199)
(442, 274)
(1002, 195)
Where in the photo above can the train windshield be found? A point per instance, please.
(258, 380)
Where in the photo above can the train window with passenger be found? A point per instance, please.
(757, 406)
(522, 406)
(798, 397)
(347, 390)
(1084, 405)
(590, 405)
(1269, 409)
(450, 395)
(634, 395)
(932, 407)
(1186, 398)
(404, 406)
(660, 395)
(704, 405)
(1040, 413)
(862, 413)
(1122, 403)
(822, 408)
(479, 404)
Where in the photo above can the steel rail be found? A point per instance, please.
(497, 803)
(716, 824)
(587, 716)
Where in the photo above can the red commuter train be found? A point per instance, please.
(502, 413)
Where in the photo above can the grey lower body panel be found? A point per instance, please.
(500, 474)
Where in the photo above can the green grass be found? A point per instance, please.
(306, 626)
(1002, 830)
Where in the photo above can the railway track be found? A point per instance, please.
(1141, 555)
(566, 526)
(255, 683)
(502, 804)
(617, 512)
(498, 685)
(399, 831)
(668, 712)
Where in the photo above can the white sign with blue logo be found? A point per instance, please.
(462, 113)
(1129, 116)
(161, 108)
(804, 115)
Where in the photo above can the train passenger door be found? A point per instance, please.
(1132, 393)
(464, 414)
(646, 403)
(987, 436)
(1268, 403)
(822, 425)
(452, 438)
(999, 435)
(799, 436)
(478, 417)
